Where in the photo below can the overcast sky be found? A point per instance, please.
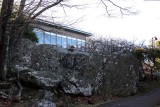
(93, 19)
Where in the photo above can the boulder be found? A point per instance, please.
(21, 54)
(44, 103)
(50, 58)
(75, 83)
(44, 58)
(50, 67)
(42, 79)
(121, 74)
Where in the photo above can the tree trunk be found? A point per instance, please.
(6, 12)
(21, 8)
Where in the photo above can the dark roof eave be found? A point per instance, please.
(65, 28)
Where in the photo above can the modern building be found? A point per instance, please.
(55, 34)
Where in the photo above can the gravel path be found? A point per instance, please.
(149, 99)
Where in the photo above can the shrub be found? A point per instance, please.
(29, 34)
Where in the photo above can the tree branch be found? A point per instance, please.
(123, 11)
(44, 9)
(35, 8)
(21, 7)
(106, 7)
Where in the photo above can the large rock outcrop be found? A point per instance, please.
(51, 67)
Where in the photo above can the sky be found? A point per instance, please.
(92, 17)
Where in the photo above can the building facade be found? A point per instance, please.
(63, 36)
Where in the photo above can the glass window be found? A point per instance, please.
(47, 38)
(74, 42)
(83, 43)
(59, 40)
(79, 42)
(53, 39)
(64, 41)
(69, 41)
(39, 35)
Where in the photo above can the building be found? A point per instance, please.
(55, 34)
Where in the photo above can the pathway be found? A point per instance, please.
(149, 99)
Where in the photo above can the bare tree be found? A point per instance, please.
(107, 46)
(12, 28)
(27, 12)
(123, 10)
(6, 12)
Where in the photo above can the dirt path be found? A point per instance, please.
(149, 99)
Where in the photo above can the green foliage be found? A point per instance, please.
(157, 63)
(148, 85)
(152, 53)
(138, 52)
(71, 48)
(158, 44)
(29, 34)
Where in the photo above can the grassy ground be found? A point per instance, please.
(148, 84)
